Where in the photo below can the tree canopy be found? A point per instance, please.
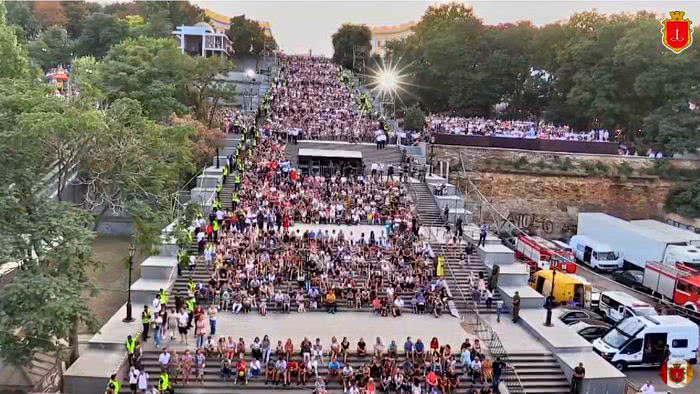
(247, 36)
(351, 39)
(592, 71)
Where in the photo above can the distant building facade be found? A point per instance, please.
(203, 40)
(222, 22)
(383, 34)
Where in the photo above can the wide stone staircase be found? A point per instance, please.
(215, 384)
(426, 208)
(539, 373)
(460, 267)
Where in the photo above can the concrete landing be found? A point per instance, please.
(529, 298)
(496, 254)
(113, 334)
(354, 325)
(559, 338)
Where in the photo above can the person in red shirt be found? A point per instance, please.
(431, 379)
(435, 346)
(241, 371)
(371, 387)
(293, 368)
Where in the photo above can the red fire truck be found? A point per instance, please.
(540, 253)
(677, 282)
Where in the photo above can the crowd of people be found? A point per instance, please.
(309, 101)
(415, 367)
(233, 120)
(440, 124)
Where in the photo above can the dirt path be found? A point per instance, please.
(111, 276)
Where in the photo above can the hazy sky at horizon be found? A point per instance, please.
(300, 26)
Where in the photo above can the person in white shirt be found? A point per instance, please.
(133, 379)
(155, 304)
(164, 359)
(647, 388)
(143, 381)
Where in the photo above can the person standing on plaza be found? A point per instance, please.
(212, 312)
(483, 231)
(146, 317)
(577, 379)
(516, 307)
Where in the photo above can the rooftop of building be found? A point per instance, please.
(393, 28)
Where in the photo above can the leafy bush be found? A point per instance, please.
(685, 200)
(413, 118)
(624, 169)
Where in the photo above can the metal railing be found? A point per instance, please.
(490, 339)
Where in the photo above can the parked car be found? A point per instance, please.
(591, 330)
(572, 315)
(631, 278)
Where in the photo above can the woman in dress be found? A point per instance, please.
(186, 364)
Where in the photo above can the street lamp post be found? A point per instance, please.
(129, 318)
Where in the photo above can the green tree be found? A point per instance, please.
(207, 89)
(100, 33)
(77, 13)
(135, 163)
(86, 77)
(351, 39)
(51, 48)
(13, 62)
(247, 36)
(43, 306)
(19, 14)
(685, 200)
(152, 71)
(414, 118)
(64, 132)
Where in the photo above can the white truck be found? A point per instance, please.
(641, 241)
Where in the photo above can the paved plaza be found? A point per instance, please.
(354, 325)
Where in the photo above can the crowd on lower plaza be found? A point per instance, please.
(309, 101)
(414, 367)
(511, 128)
(233, 120)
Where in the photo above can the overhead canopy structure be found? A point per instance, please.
(328, 162)
(330, 153)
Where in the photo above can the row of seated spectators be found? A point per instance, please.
(260, 268)
(511, 128)
(310, 102)
(415, 367)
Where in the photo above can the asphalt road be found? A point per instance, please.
(638, 376)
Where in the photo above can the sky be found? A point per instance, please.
(300, 26)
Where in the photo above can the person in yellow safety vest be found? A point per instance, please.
(146, 321)
(219, 187)
(114, 384)
(235, 199)
(237, 181)
(190, 304)
(191, 286)
(163, 297)
(216, 228)
(164, 383)
(216, 205)
(131, 348)
(225, 172)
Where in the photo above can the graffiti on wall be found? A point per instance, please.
(531, 221)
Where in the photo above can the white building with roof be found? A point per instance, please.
(202, 40)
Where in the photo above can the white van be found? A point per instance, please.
(595, 254)
(616, 305)
(640, 341)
